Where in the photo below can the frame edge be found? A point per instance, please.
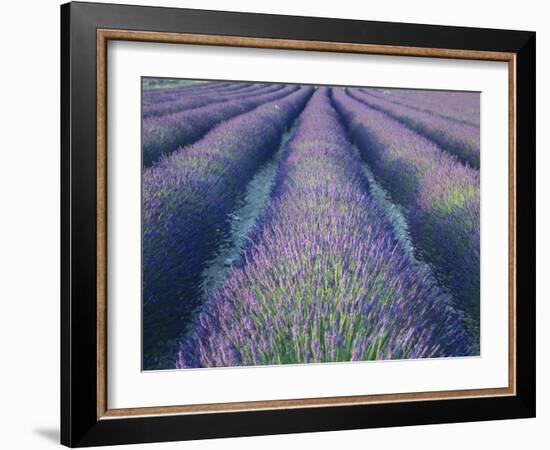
(65, 334)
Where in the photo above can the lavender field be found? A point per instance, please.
(288, 224)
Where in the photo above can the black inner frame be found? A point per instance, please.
(79, 423)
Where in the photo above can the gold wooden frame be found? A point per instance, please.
(103, 36)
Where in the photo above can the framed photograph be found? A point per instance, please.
(277, 224)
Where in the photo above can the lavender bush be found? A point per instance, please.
(164, 134)
(324, 279)
(440, 197)
(460, 139)
(186, 199)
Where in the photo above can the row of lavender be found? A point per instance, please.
(166, 132)
(457, 137)
(324, 278)
(439, 195)
(202, 98)
(156, 95)
(186, 198)
(456, 106)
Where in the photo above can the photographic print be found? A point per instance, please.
(291, 206)
(296, 224)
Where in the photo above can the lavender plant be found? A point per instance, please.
(457, 138)
(164, 134)
(323, 279)
(440, 197)
(186, 199)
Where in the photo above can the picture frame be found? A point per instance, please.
(86, 418)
